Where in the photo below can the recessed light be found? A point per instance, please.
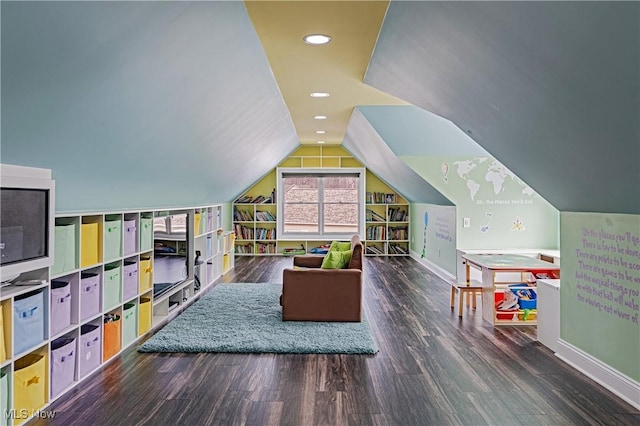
(317, 39)
(320, 132)
(320, 141)
(319, 94)
(320, 117)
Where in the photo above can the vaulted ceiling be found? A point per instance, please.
(143, 103)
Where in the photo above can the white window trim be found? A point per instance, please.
(326, 171)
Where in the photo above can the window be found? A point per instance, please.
(320, 203)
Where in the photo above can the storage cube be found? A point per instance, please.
(89, 295)
(112, 286)
(144, 315)
(90, 349)
(63, 364)
(129, 323)
(112, 336)
(28, 321)
(29, 380)
(146, 234)
(60, 315)
(130, 280)
(64, 249)
(90, 248)
(130, 237)
(112, 239)
(145, 274)
(4, 395)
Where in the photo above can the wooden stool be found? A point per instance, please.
(471, 289)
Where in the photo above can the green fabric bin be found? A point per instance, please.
(129, 323)
(4, 396)
(64, 259)
(112, 286)
(112, 239)
(146, 234)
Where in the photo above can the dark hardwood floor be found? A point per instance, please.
(432, 369)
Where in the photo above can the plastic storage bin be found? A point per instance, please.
(144, 316)
(129, 280)
(112, 239)
(89, 295)
(60, 316)
(90, 349)
(145, 274)
(130, 237)
(112, 285)
(63, 364)
(28, 321)
(64, 249)
(29, 380)
(146, 234)
(527, 298)
(90, 247)
(112, 341)
(129, 323)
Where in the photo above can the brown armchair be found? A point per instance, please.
(310, 293)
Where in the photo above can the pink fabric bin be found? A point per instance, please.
(63, 364)
(89, 295)
(60, 305)
(130, 240)
(130, 280)
(90, 349)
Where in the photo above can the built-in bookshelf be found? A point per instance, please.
(387, 220)
(255, 210)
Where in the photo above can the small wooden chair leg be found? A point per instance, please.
(453, 296)
(460, 303)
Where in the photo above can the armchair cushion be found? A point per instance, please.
(336, 259)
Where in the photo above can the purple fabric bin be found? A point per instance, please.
(130, 234)
(130, 280)
(89, 295)
(60, 305)
(63, 364)
(90, 349)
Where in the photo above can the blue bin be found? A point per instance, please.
(28, 321)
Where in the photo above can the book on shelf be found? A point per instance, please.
(398, 215)
(373, 249)
(263, 216)
(373, 216)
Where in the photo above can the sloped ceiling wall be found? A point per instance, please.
(551, 89)
(362, 140)
(140, 104)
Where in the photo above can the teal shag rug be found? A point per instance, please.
(247, 318)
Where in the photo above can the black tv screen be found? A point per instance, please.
(24, 223)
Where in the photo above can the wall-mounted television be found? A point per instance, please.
(171, 251)
(26, 220)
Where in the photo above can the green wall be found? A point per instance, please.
(600, 287)
(503, 211)
(433, 234)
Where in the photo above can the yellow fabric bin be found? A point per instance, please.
(3, 350)
(89, 245)
(144, 316)
(146, 272)
(197, 219)
(29, 383)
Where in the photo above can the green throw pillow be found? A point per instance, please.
(336, 259)
(340, 246)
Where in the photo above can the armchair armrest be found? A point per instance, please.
(308, 261)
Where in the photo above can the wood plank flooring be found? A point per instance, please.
(432, 369)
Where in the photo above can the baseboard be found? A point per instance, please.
(611, 379)
(442, 273)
